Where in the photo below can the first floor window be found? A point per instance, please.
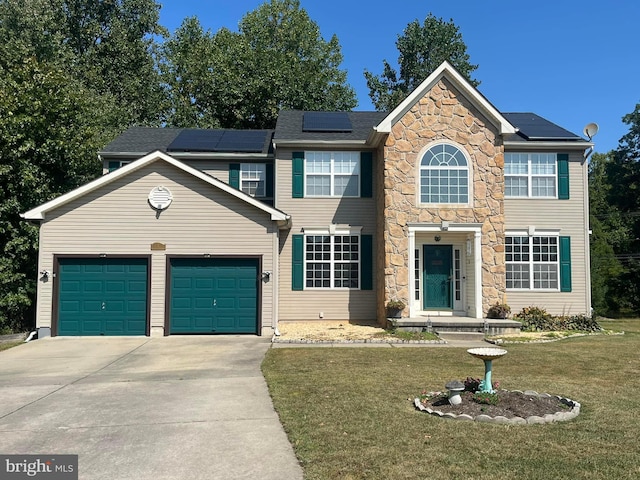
(532, 262)
(332, 261)
(253, 178)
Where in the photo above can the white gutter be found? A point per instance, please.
(548, 144)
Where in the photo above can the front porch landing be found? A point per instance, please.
(437, 324)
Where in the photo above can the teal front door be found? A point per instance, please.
(214, 295)
(437, 275)
(102, 296)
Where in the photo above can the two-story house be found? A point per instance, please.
(444, 203)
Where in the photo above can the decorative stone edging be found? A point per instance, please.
(500, 341)
(548, 418)
(276, 339)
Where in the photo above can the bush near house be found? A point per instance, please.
(536, 319)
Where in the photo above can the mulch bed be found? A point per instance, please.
(510, 404)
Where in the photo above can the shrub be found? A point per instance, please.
(536, 319)
(499, 310)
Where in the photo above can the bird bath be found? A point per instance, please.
(488, 355)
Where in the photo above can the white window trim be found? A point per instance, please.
(243, 166)
(332, 174)
(469, 170)
(530, 177)
(333, 231)
(530, 234)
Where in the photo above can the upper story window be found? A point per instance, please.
(332, 174)
(116, 164)
(444, 175)
(530, 175)
(253, 177)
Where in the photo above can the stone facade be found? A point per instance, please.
(443, 114)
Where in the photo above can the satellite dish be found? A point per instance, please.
(590, 130)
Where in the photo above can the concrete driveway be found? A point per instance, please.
(182, 407)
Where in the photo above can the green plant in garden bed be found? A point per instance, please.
(486, 398)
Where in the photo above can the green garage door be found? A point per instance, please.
(102, 296)
(214, 295)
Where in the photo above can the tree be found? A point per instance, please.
(73, 73)
(108, 46)
(614, 189)
(113, 45)
(277, 60)
(50, 129)
(422, 49)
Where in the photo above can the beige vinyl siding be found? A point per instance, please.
(571, 218)
(335, 304)
(216, 168)
(117, 219)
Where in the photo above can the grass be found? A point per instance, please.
(348, 415)
(8, 345)
(405, 335)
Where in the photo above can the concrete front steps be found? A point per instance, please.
(474, 327)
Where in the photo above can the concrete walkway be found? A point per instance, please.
(182, 407)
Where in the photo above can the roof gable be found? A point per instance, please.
(39, 213)
(445, 70)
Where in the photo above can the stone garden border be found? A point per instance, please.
(276, 339)
(549, 418)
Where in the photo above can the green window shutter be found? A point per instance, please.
(366, 174)
(297, 277)
(268, 188)
(298, 175)
(366, 262)
(563, 176)
(113, 166)
(565, 264)
(234, 175)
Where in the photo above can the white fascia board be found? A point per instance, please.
(39, 212)
(473, 95)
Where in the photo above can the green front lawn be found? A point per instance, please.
(348, 415)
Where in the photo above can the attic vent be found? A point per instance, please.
(160, 197)
(326, 122)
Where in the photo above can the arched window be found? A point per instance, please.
(444, 175)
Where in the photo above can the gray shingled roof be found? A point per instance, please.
(289, 127)
(142, 140)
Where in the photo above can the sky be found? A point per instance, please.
(572, 62)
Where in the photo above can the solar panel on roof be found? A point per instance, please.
(242, 141)
(326, 122)
(534, 127)
(193, 140)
